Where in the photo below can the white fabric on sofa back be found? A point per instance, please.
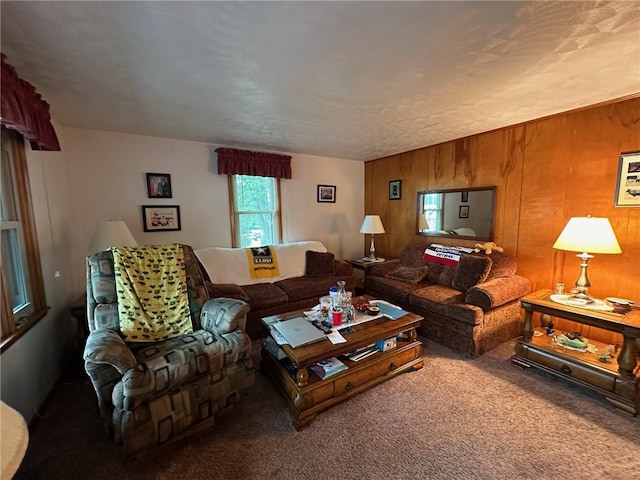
(230, 265)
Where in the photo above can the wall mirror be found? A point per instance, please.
(464, 213)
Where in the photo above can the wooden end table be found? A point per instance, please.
(618, 379)
(307, 394)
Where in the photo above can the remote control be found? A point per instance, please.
(322, 326)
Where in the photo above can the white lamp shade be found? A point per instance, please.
(588, 234)
(372, 224)
(112, 233)
(422, 222)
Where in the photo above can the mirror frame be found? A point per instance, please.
(433, 233)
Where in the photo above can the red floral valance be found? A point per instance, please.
(24, 110)
(260, 164)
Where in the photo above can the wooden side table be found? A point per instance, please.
(618, 379)
(365, 266)
(78, 311)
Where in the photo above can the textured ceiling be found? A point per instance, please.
(358, 80)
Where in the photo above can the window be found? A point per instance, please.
(433, 210)
(23, 302)
(255, 210)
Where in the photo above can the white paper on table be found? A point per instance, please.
(335, 337)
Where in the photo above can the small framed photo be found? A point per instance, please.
(395, 189)
(161, 218)
(628, 184)
(464, 197)
(159, 185)
(326, 193)
(464, 211)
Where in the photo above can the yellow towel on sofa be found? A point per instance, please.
(151, 286)
(263, 262)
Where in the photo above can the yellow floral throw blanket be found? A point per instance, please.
(151, 285)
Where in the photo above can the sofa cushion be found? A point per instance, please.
(395, 291)
(408, 274)
(471, 270)
(319, 263)
(503, 265)
(226, 290)
(446, 276)
(411, 254)
(303, 288)
(265, 295)
(448, 302)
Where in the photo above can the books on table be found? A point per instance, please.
(388, 310)
(328, 367)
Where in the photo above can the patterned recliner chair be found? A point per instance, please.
(153, 393)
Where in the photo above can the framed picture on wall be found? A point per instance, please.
(464, 197)
(464, 211)
(395, 189)
(628, 183)
(159, 185)
(161, 218)
(326, 194)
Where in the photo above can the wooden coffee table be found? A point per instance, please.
(307, 394)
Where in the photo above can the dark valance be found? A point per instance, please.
(259, 164)
(24, 110)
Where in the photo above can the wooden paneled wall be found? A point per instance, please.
(546, 171)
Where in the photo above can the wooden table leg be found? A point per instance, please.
(627, 357)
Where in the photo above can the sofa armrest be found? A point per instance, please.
(342, 268)
(382, 268)
(224, 315)
(106, 347)
(498, 291)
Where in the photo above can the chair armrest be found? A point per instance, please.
(342, 268)
(107, 347)
(224, 315)
(382, 268)
(498, 291)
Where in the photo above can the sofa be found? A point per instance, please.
(471, 307)
(152, 391)
(305, 272)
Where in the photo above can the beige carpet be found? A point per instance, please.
(456, 418)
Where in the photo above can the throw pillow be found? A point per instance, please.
(446, 275)
(319, 264)
(502, 264)
(408, 274)
(471, 270)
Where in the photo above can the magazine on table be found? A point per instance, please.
(328, 367)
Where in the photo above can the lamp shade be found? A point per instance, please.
(422, 222)
(372, 224)
(588, 234)
(111, 233)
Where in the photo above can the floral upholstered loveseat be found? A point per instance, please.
(472, 307)
(152, 392)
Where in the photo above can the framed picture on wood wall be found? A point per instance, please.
(161, 218)
(395, 189)
(628, 183)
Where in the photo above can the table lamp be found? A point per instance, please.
(111, 233)
(587, 234)
(372, 224)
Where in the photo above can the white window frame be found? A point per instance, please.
(235, 213)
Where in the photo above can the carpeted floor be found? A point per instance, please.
(457, 418)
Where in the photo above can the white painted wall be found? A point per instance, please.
(109, 183)
(101, 175)
(31, 366)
